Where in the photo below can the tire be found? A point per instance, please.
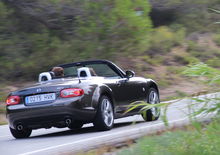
(75, 125)
(104, 119)
(25, 133)
(154, 113)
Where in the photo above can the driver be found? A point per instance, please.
(92, 71)
(58, 71)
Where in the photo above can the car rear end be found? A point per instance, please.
(46, 106)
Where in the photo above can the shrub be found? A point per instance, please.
(217, 39)
(186, 59)
(214, 62)
(191, 141)
(163, 39)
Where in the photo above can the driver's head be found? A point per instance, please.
(92, 71)
(58, 71)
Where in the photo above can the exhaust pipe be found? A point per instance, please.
(20, 127)
(68, 121)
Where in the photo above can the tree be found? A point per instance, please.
(37, 34)
(114, 26)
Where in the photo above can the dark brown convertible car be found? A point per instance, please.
(89, 91)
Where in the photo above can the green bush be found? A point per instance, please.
(157, 60)
(217, 39)
(214, 62)
(3, 96)
(205, 141)
(112, 27)
(163, 39)
(176, 70)
(186, 59)
(202, 52)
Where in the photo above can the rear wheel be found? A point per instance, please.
(25, 133)
(153, 113)
(105, 116)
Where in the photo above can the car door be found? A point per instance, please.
(128, 91)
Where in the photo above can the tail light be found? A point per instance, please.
(12, 100)
(71, 92)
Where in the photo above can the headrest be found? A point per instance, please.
(45, 76)
(84, 72)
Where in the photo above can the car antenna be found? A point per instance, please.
(79, 78)
(78, 64)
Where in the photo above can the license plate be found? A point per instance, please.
(40, 98)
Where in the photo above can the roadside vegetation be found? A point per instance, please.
(197, 141)
(156, 39)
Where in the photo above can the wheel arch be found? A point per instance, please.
(153, 84)
(104, 90)
(109, 96)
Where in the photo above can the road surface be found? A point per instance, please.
(59, 141)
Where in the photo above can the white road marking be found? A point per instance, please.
(93, 138)
(4, 136)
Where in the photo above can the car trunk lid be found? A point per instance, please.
(43, 93)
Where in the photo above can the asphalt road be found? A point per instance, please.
(59, 141)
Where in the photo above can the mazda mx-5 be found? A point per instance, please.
(85, 92)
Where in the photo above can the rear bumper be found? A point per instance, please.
(48, 115)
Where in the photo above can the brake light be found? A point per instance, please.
(71, 92)
(12, 100)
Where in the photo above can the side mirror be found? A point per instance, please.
(129, 74)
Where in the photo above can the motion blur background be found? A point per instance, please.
(155, 38)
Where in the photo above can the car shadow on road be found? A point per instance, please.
(84, 130)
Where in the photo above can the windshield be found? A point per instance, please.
(100, 69)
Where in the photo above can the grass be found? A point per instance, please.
(217, 39)
(178, 95)
(3, 96)
(2, 115)
(2, 100)
(2, 110)
(197, 141)
(3, 123)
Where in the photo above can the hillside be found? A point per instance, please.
(156, 39)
